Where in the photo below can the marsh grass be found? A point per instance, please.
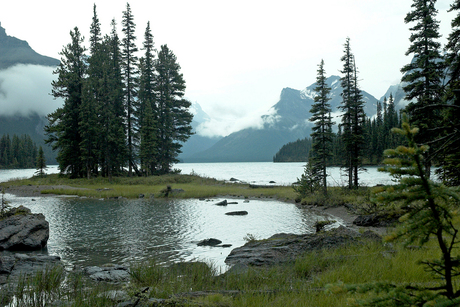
(53, 284)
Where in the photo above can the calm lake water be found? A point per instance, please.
(95, 232)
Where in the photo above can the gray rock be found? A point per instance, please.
(16, 265)
(24, 231)
(237, 213)
(376, 220)
(221, 203)
(209, 242)
(115, 273)
(283, 247)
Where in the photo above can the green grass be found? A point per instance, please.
(193, 186)
(307, 282)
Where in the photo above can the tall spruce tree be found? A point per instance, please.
(353, 118)
(322, 130)
(63, 128)
(147, 106)
(423, 75)
(173, 116)
(92, 99)
(449, 170)
(116, 154)
(130, 82)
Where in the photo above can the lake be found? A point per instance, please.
(95, 232)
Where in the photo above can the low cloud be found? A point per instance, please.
(26, 89)
(225, 126)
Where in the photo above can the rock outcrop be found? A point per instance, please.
(22, 230)
(114, 274)
(15, 265)
(282, 247)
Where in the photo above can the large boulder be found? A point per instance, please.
(23, 231)
(283, 247)
(13, 266)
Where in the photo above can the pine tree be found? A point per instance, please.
(431, 211)
(322, 131)
(40, 163)
(130, 81)
(424, 74)
(148, 150)
(147, 106)
(92, 99)
(174, 118)
(63, 128)
(449, 171)
(116, 154)
(353, 118)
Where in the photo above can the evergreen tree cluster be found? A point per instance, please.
(377, 136)
(297, 151)
(17, 152)
(119, 111)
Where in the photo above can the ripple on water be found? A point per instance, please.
(95, 232)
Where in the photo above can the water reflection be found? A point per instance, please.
(95, 232)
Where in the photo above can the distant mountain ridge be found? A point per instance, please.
(14, 51)
(285, 122)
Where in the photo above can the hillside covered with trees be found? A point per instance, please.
(17, 151)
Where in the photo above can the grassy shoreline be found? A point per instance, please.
(131, 187)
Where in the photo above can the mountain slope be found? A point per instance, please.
(14, 51)
(285, 122)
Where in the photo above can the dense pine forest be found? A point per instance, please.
(17, 151)
(119, 111)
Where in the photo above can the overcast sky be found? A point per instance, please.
(237, 56)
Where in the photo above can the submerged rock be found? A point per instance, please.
(209, 242)
(221, 203)
(237, 213)
(22, 230)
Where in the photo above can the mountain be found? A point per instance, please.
(285, 122)
(197, 143)
(14, 51)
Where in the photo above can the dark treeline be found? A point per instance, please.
(17, 151)
(297, 151)
(120, 112)
(377, 136)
